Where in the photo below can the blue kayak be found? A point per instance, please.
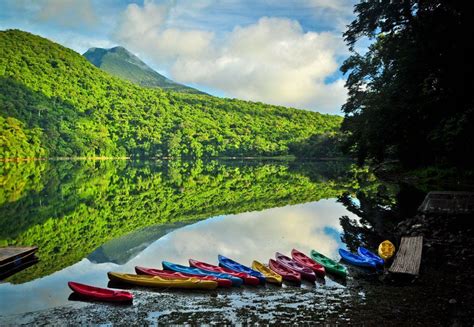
(356, 260)
(363, 252)
(236, 281)
(235, 266)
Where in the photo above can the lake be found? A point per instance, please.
(91, 217)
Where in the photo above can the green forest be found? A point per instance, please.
(54, 103)
(70, 208)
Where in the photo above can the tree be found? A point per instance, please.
(410, 95)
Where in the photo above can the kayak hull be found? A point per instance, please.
(365, 253)
(356, 260)
(270, 275)
(329, 264)
(100, 294)
(235, 266)
(156, 281)
(248, 279)
(285, 273)
(221, 282)
(304, 271)
(199, 272)
(306, 261)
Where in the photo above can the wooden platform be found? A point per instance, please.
(11, 253)
(448, 202)
(408, 257)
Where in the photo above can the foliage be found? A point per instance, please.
(410, 94)
(120, 62)
(76, 206)
(75, 109)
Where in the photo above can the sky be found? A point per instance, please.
(282, 52)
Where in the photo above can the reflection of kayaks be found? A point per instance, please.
(363, 252)
(270, 275)
(100, 294)
(235, 266)
(303, 259)
(386, 250)
(156, 281)
(221, 282)
(199, 272)
(329, 265)
(356, 260)
(304, 271)
(285, 273)
(248, 279)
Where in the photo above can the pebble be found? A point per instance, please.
(453, 301)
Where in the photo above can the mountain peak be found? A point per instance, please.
(120, 62)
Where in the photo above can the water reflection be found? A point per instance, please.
(244, 237)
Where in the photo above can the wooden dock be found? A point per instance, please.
(408, 258)
(448, 203)
(10, 254)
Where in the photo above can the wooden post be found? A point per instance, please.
(408, 257)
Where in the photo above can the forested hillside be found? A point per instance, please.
(55, 103)
(120, 62)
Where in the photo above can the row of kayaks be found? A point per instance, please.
(202, 275)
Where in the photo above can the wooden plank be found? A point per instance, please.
(11, 253)
(408, 258)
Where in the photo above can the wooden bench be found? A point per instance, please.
(408, 257)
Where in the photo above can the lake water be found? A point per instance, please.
(91, 217)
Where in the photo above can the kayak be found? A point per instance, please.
(287, 274)
(156, 281)
(304, 260)
(236, 281)
(386, 250)
(289, 263)
(356, 260)
(235, 266)
(270, 275)
(100, 294)
(364, 253)
(221, 282)
(248, 279)
(329, 265)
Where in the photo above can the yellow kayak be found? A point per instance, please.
(386, 250)
(156, 281)
(270, 275)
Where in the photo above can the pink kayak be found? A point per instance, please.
(287, 274)
(305, 272)
(304, 260)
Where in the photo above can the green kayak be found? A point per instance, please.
(330, 265)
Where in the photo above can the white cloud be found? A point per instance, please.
(67, 13)
(272, 60)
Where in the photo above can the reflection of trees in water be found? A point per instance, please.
(379, 207)
(70, 208)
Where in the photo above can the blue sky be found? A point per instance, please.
(280, 52)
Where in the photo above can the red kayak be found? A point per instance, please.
(306, 261)
(248, 279)
(221, 282)
(101, 294)
(305, 272)
(287, 274)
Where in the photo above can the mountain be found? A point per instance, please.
(55, 103)
(122, 63)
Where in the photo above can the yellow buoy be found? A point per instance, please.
(386, 250)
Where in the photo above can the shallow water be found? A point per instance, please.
(89, 218)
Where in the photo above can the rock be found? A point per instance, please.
(453, 301)
(416, 226)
